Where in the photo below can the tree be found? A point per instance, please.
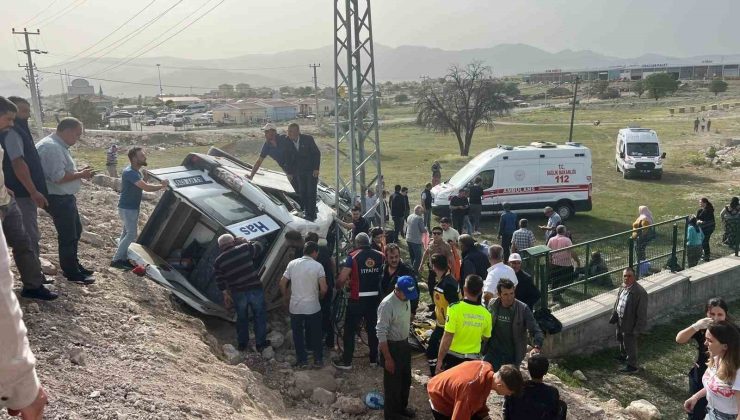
(660, 85)
(170, 103)
(466, 98)
(610, 93)
(401, 98)
(85, 111)
(639, 88)
(718, 86)
(511, 89)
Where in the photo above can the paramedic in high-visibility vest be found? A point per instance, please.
(364, 271)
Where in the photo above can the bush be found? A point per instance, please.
(697, 159)
(559, 91)
(610, 93)
(711, 152)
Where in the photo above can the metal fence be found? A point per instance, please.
(570, 275)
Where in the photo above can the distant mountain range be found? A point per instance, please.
(291, 67)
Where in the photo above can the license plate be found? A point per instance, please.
(190, 181)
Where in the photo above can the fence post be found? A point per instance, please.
(672, 262)
(542, 274)
(631, 256)
(585, 266)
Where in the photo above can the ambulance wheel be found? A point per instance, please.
(565, 210)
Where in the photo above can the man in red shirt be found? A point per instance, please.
(460, 393)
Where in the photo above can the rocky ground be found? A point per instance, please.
(123, 348)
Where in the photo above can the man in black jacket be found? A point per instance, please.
(474, 258)
(397, 204)
(23, 173)
(303, 165)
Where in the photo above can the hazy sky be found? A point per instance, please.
(625, 28)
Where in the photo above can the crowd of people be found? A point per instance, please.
(482, 300)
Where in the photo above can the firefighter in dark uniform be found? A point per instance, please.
(446, 292)
(364, 270)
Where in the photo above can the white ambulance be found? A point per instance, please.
(638, 153)
(527, 177)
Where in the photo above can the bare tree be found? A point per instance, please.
(465, 99)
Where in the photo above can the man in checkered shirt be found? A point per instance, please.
(522, 238)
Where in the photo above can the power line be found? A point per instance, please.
(39, 13)
(75, 4)
(157, 85)
(124, 39)
(197, 68)
(105, 37)
(157, 37)
(168, 38)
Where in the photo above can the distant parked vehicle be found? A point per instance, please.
(310, 117)
(178, 122)
(150, 123)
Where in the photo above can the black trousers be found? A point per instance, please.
(24, 256)
(365, 308)
(398, 222)
(396, 385)
(705, 243)
(63, 210)
(307, 190)
(433, 349)
(506, 244)
(695, 385)
(450, 361)
(327, 318)
(431, 282)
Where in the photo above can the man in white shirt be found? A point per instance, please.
(307, 286)
(448, 232)
(496, 272)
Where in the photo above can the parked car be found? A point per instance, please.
(209, 195)
(150, 123)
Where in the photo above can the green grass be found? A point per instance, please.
(662, 380)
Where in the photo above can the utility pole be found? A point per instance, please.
(35, 99)
(573, 109)
(316, 92)
(61, 82)
(160, 82)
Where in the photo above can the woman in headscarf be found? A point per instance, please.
(641, 232)
(436, 173)
(705, 219)
(730, 216)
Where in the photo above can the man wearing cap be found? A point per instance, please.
(303, 163)
(467, 326)
(394, 319)
(275, 146)
(525, 290)
(364, 271)
(239, 281)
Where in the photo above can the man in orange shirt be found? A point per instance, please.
(460, 393)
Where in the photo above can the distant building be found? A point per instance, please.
(241, 113)
(80, 87)
(306, 107)
(225, 90)
(278, 109)
(702, 71)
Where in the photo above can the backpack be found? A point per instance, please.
(547, 321)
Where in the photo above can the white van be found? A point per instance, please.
(527, 177)
(638, 153)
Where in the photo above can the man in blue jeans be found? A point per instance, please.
(129, 203)
(237, 277)
(307, 286)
